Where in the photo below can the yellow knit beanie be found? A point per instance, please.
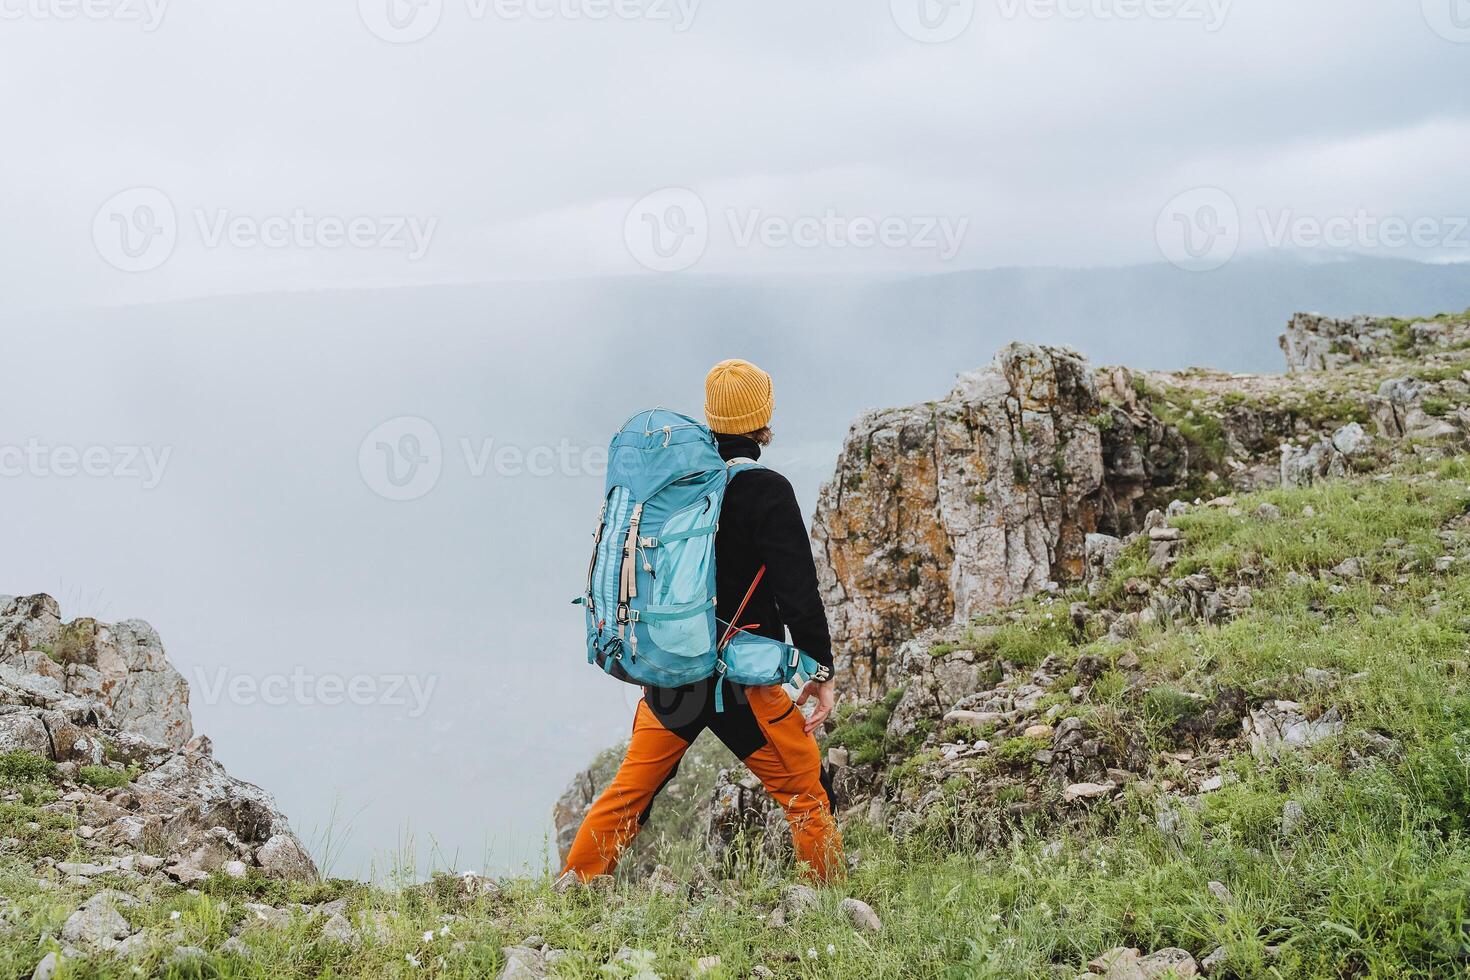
(738, 397)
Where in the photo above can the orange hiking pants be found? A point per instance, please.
(764, 729)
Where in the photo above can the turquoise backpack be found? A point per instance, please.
(650, 595)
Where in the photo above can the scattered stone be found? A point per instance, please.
(1039, 731)
(1220, 892)
(282, 856)
(1351, 440)
(1292, 815)
(977, 718)
(1350, 568)
(664, 882)
(1214, 961)
(705, 964)
(522, 963)
(262, 916)
(797, 900)
(339, 930)
(236, 869)
(184, 956)
(861, 915)
(1086, 791)
(1174, 963)
(1268, 512)
(46, 969)
(185, 874)
(235, 946)
(1280, 725)
(98, 925)
(1212, 784)
(1120, 958)
(569, 881)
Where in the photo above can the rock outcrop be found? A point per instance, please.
(88, 694)
(944, 510)
(1313, 342)
(122, 665)
(941, 510)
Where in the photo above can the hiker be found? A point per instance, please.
(760, 539)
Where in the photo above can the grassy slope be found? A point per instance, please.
(1376, 882)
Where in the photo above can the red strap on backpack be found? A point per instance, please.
(741, 611)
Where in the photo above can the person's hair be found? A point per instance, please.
(761, 436)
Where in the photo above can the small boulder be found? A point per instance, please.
(1086, 791)
(1292, 816)
(861, 915)
(522, 963)
(1173, 963)
(46, 969)
(1351, 440)
(283, 857)
(98, 925)
(339, 930)
(797, 900)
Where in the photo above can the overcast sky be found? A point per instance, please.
(514, 138)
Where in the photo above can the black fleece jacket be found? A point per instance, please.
(760, 524)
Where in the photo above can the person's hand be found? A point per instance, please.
(826, 695)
